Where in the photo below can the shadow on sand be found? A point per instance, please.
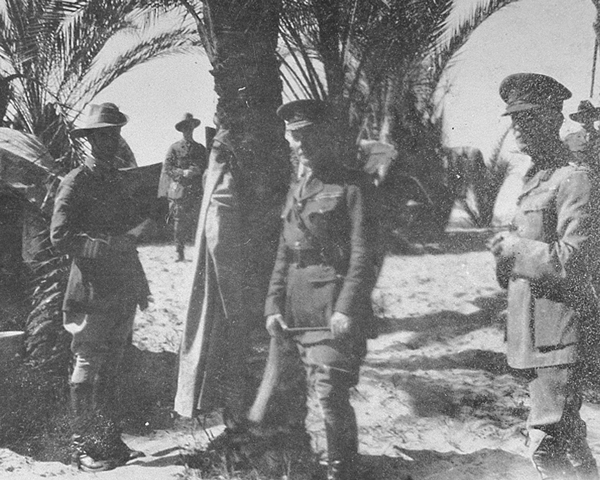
(429, 465)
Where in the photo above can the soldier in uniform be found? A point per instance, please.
(94, 222)
(181, 181)
(589, 139)
(543, 261)
(324, 275)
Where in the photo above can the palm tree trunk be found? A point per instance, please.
(241, 40)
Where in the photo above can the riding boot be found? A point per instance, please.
(550, 459)
(342, 449)
(180, 253)
(84, 420)
(579, 453)
(106, 402)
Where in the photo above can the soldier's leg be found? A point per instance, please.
(332, 370)
(89, 356)
(559, 445)
(175, 215)
(108, 379)
(107, 392)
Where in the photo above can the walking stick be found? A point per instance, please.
(594, 67)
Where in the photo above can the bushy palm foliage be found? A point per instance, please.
(56, 56)
(59, 54)
(379, 61)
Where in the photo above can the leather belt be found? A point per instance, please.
(303, 257)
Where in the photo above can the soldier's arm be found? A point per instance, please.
(359, 279)
(563, 259)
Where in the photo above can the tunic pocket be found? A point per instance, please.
(538, 220)
(311, 297)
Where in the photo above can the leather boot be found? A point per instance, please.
(581, 459)
(550, 459)
(83, 423)
(96, 444)
(180, 252)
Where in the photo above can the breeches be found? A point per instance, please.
(99, 341)
(181, 213)
(332, 369)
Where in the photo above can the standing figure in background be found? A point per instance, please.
(181, 181)
(588, 148)
(324, 275)
(95, 223)
(543, 261)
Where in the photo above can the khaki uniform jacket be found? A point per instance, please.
(549, 288)
(91, 207)
(329, 217)
(180, 157)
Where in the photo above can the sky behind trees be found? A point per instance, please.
(554, 37)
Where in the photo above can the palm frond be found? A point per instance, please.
(183, 41)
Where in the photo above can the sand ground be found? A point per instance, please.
(435, 398)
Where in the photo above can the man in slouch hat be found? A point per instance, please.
(324, 275)
(586, 142)
(181, 181)
(95, 223)
(543, 261)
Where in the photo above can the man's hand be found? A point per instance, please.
(275, 324)
(503, 244)
(193, 171)
(340, 324)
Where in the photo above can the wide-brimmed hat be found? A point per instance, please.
(100, 116)
(586, 112)
(302, 113)
(530, 91)
(188, 119)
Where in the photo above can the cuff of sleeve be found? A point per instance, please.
(93, 247)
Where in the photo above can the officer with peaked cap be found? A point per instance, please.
(543, 262)
(92, 223)
(324, 274)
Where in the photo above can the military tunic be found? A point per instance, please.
(184, 191)
(324, 261)
(324, 265)
(91, 206)
(549, 289)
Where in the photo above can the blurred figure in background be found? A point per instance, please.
(585, 144)
(181, 181)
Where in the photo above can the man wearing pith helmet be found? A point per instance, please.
(543, 260)
(94, 222)
(323, 275)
